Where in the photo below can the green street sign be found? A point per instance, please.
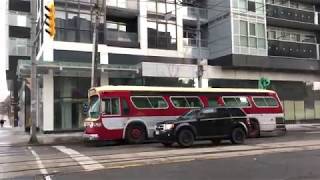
(263, 83)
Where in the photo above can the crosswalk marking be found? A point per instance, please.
(43, 170)
(86, 162)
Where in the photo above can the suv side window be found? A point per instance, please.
(223, 112)
(208, 113)
(236, 112)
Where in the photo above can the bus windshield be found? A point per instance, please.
(94, 110)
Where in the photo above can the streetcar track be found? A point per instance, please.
(128, 160)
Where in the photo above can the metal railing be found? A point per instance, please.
(126, 4)
(122, 36)
(192, 12)
(193, 42)
(19, 47)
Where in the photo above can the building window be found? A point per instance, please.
(74, 23)
(19, 5)
(251, 6)
(162, 27)
(19, 32)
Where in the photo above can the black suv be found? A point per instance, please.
(204, 124)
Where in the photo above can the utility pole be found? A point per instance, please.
(33, 130)
(199, 60)
(96, 20)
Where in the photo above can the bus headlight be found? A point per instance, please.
(168, 126)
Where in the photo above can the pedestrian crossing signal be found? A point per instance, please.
(50, 19)
(264, 83)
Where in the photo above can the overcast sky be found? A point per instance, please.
(3, 50)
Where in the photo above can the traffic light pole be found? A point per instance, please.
(94, 77)
(199, 66)
(33, 130)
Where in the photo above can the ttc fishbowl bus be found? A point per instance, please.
(131, 112)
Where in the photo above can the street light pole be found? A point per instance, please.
(33, 130)
(96, 20)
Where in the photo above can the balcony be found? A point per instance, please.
(122, 39)
(193, 42)
(191, 48)
(19, 47)
(289, 17)
(191, 14)
(122, 8)
(292, 49)
(124, 4)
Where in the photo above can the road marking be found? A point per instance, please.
(43, 170)
(86, 162)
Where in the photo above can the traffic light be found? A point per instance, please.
(50, 19)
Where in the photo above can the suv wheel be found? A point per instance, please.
(185, 138)
(238, 136)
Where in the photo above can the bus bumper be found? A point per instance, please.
(279, 131)
(90, 137)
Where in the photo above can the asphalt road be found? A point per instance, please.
(302, 165)
(294, 153)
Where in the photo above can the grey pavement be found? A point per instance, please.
(16, 136)
(59, 161)
(302, 165)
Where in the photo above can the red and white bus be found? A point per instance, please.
(131, 112)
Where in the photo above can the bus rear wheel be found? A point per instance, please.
(255, 129)
(136, 134)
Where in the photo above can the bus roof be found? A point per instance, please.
(175, 89)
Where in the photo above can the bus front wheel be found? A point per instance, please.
(136, 134)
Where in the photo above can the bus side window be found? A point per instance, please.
(110, 106)
(212, 101)
(125, 107)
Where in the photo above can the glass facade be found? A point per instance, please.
(162, 25)
(74, 22)
(70, 98)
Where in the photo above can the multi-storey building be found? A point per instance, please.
(277, 39)
(18, 43)
(155, 43)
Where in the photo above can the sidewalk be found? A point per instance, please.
(302, 127)
(17, 137)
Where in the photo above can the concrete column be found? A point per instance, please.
(48, 102)
(104, 79)
(143, 25)
(180, 12)
(205, 83)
